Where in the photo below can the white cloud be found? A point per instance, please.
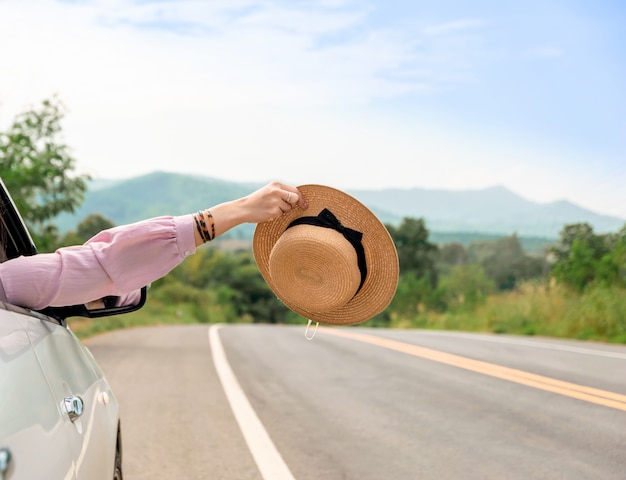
(122, 53)
(156, 80)
(252, 90)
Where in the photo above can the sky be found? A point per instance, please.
(363, 94)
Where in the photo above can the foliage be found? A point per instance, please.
(235, 281)
(503, 260)
(415, 253)
(86, 229)
(451, 255)
(599, 313)
(582, 258)
(36, 167)
(411, 296)
(466, 286)
(507, 264)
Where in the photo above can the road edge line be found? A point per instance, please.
(266, 456)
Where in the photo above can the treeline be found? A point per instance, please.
(575, 289)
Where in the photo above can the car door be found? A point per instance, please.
(90, 408)
(34, 439)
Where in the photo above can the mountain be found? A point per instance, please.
(488, 212)
(494, 210)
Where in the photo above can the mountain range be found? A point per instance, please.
(489, 212)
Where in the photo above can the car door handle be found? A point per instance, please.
(73, 407)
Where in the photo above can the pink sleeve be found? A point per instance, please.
(114, 262)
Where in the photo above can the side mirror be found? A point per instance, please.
(105, 307)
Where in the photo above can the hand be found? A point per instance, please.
(271, 201)
(267, 203)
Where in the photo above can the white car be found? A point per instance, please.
(59, 418)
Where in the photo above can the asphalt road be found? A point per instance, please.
(384, 404)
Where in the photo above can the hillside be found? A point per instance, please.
(493, 210)
(450, 215)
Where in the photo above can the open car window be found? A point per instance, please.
(14, 237)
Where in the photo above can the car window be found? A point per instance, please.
(14, 237)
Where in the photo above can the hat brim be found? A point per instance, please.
(380, 253)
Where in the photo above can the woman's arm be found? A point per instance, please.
(122, 259)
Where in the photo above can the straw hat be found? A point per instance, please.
(333, 263)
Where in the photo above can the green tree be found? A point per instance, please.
(611, 269)
(235, 279)
(466, 286)
(582, 232)
(87, 228)
(505, 261)
(415, 296)
(91, 225)
(415, 253)
(451, 255)
(38, 170)
(581, 256)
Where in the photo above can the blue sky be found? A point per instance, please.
(353, 94)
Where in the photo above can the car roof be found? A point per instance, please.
(14, 236)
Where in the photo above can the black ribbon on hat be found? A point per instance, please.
(327, 219)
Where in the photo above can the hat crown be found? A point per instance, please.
(315, 267)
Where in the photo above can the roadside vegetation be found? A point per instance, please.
(576, 288)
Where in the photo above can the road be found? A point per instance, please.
(356, 403)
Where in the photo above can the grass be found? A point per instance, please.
(597, 314)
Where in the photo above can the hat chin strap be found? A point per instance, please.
(327, 219)
(308, 326)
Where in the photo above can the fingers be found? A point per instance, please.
(270, 202)
(282, 198)
(293, 197)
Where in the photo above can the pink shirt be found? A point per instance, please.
(117, 261)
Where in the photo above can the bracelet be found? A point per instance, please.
(210, 216)
(201, 225)
(195, 217)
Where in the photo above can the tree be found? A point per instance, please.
(466, 286)
(87, 228)
(581, 256)
(415, 253)
(91, 225)
(236, 281)
(37, 168)
(451, 255)
(505, 261)
(582, 232)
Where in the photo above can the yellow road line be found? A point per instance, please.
(580, 392)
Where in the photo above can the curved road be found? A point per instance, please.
(358, 403)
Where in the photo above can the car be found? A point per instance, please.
(59, 418)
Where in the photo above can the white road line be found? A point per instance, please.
(527, 343)
(268, 459)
